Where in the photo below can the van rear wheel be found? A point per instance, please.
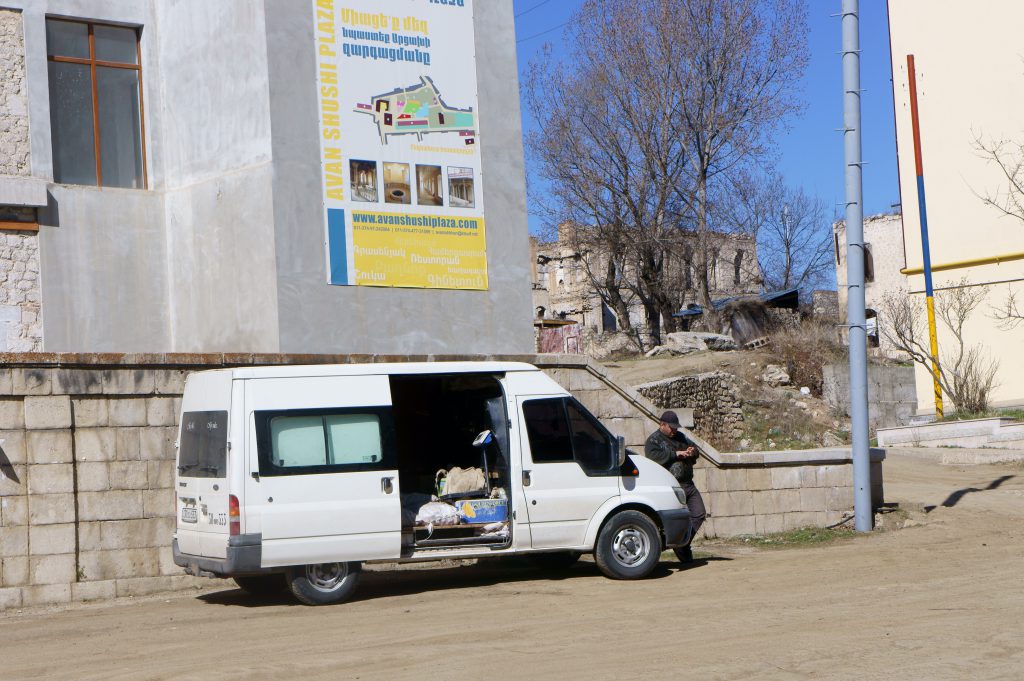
(261, 585)
(323, 583)
(628, 546)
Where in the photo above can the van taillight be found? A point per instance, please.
(234, 516)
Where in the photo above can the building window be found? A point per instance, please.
(869, 265)
(737, 265)
(96, 117)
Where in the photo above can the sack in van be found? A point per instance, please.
(460, 480)
(437, 513)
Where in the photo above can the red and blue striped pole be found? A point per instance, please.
(925, 247)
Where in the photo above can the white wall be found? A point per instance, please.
(970, 80)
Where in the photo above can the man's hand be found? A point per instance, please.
(687, 453)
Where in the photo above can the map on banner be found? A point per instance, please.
(417, 110)
(402, 185)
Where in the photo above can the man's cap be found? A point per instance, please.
(670, 418)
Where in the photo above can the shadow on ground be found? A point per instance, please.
(408, 582)
(954, 498)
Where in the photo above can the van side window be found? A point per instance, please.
(592, 447)
(561, 430)
(324, 440)
(548, 430)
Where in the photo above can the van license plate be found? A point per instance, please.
(189, 515)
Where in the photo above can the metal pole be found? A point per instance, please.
(926, 250)
(863, 516)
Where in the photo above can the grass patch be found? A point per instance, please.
(1017, 414)
(783, 426)
(804, 536)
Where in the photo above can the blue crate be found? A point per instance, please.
(482, 510)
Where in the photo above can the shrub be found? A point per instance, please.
(804, 350)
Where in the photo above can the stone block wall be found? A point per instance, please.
(21, 324)
(892, 396)
(86, 477)
(768, 499)
(14, 137)
(782, 318)
(87, 467)
(21, 328)
(714, 398)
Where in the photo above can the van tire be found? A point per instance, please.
(324, 583)
(628, 546)
(261, 585)
(554, 560)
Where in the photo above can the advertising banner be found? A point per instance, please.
(403, 201)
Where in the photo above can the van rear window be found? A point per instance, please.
(203, 450)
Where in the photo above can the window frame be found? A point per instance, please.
(264, 443)
(93, 63)
(612, 470)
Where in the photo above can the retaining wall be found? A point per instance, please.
(892, 396)
(714, 398)
(87, 467)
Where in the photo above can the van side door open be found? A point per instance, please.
(323, 480)
(570, 469)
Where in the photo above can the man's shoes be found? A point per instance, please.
(684, 554)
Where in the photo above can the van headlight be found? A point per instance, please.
(680, 495)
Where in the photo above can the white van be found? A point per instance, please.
(299, 474)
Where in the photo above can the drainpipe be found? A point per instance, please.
(863, 516)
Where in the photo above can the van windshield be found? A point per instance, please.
(203, 451)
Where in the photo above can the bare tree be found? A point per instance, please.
(742, 61)
(965, 373)
(1010, 315)
(1008, 156)
(657, 102)
(794, 236)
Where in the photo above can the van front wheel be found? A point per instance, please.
(628, 546)
(323, 583)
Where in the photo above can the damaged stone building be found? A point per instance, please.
(562, 289)
(884, 258)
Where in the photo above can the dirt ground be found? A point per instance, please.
(942, 599)
(642, 370)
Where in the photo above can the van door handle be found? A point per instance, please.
(526, 479)
(386, 485)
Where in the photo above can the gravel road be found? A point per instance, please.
(942, 599)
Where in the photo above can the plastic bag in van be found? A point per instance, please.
(437, 513)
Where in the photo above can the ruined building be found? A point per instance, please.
(562, 290)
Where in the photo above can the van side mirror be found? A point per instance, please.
(483, 439)
(621, 443)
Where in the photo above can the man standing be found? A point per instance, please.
(672, 450)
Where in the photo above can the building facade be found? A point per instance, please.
(563, 290)
(968, 96)
(193, 220)
(884, 261)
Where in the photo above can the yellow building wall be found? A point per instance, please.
(970, 81)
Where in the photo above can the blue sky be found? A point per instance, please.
(810, 153)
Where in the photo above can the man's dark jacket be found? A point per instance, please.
(662, 449)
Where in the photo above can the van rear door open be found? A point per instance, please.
(321, 471)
